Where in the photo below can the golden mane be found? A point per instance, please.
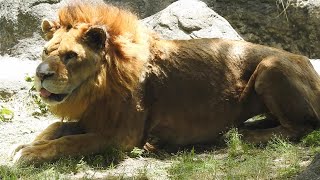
(127, 51)
(118, 21)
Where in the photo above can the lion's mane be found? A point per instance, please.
(126, 53)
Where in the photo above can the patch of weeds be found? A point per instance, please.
(113, 156)
(253, 165)
(191, 166)
(312, 139)
(65, 168)
(41, 107)
(12, 173)
(286, 157)
(235, 145)
(279, 159)
(108, 159)
(6, 114)
(29, 78)
(7, 173)
(136, 152)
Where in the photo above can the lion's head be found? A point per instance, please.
(92, 52)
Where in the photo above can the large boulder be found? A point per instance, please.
(186, 19)
(20, 34)
(292, 25)
(143, 8)
(288, 24)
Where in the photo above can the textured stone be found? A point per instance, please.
(20, 21)
(187, 19)
(292, 25)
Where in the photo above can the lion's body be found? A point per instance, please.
(126, 87)
(195, 91)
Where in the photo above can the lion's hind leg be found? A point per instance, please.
(289, 88)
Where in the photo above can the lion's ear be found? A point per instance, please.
(96, 37)
(48, 28)
(46, 25)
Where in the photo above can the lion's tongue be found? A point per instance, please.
(44, 93)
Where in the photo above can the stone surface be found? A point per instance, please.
(312, 172)
(183, 20)
(20, 20)
(288, 24)
(292, 25)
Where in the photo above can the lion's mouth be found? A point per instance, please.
(51, 96)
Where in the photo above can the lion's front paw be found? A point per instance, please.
(34, 153)
(16, 149)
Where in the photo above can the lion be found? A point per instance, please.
(116, 83)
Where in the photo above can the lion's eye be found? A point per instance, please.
(70, 55)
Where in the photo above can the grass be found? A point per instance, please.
(279, 159)
(65, 168)
(312, 139)
(5, 114)
(41, 108)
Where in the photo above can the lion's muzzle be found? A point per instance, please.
(43, 71)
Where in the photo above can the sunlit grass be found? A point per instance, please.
(279, 159)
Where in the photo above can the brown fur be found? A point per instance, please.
(139, 89)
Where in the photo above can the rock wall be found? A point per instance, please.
(292, 25)
(20, 26)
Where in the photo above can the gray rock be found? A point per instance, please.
(20, 21)
(289, 24)
(293, 25)
(143, 8)
(312, 172)
(187, 19)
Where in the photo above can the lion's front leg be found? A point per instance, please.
(71, 145)
(54, 131)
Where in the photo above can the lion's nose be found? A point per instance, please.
(44, 71)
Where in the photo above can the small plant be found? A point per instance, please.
(312, 139)
(235, 145)
(6, 114)
(29, 78)
(286, 155)
(42, 108)
(113, 156)
(280, 145)
(189, 165)
(136, 152)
